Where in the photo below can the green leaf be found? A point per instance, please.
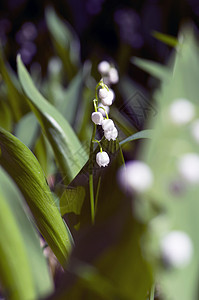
(68, 151)
(39, 268)
(67, 107)
(5, 116)
(144, 134)
(65, 41)
(165, 38)
(14, 96)
(26, 129)
(15, 272)
(155, 69)
(23, 167)
(72, 200)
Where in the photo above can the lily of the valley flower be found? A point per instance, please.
(108, 124)
(102, 159)
(111, 134)
(97, 118)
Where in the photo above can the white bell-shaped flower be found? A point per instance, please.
(97, 118)
(102, 159)
(176, 249)
(103, 93)
(108, 100)
(111, 134)
(103, 67)
(108, 124)
(113, 75)
(102, 108)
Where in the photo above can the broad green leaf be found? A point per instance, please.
(23, 167)
(38, 264)
(45, 156)
(144, 134)
(5, 116)
(67, 107)
(155, 69)
(170, 193)
(14, 96)
(15, 272)
(68, 151)
(166, 39)
(72, 200)
(65, 41)
(26, 129)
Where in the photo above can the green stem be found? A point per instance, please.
(152, 294)
(96, 141)
(92, 200)
(104, 111)
(122, 156)
(97, 193)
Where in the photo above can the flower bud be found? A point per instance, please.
(102, 159)
(103, 67)
(111, 134)
(107, 124)
(97, 118)
(113, 75)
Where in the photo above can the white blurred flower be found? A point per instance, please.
(113, 75)
(176, 249)
(111, 92)
(108, 124)
(102, 159)
(108, 100)
(103, 67)
(181, 111)
(101, 108)
(97, 118)
(188, 167)
(195, 130)
(55, 65)
(111, 134)
(135, 176)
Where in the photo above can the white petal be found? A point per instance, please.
(111, 134)
(97, 118)
(107, 124)
(102, 159)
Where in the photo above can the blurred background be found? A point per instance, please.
(115, 30)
